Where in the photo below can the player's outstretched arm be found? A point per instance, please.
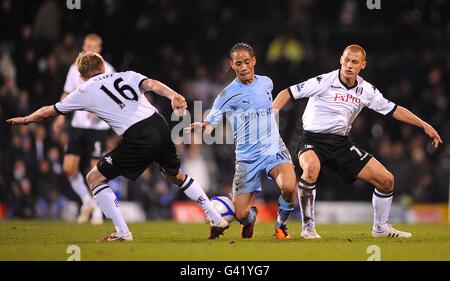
(39, 115)
(199, 127)
(280, 101)
(178, 101)
(59, 121)
(404, 115)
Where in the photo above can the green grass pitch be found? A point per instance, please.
(165, 241)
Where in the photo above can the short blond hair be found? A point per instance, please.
(89, 64)
(356, 48)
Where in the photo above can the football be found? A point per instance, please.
(224, 206)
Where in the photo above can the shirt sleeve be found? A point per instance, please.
(221, 105)
(71, 83)
(74, 101)
(308, 88)
(138, 78)
(269, 85)
(380, 104)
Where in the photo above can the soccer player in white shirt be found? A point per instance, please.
(335, 99)
(87, 138)
(119, 100)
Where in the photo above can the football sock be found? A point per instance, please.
(306, 197)
(109, 204)
(381, 208)
(250, 218)
(284, 211)
(195, 192)
(80, 187)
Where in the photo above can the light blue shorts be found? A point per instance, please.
(247, 178)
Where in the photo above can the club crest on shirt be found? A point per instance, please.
(359, 91)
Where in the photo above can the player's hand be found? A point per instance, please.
(18, 121)
(432, 133)
(196, 127)
(179, 105)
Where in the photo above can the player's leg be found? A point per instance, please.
(71, 165)
(245, 214)
(97, 214)
(109, 204)
(246, 182)
(241, 204)
(76, 149)
(284, 176)
(376, 174)
(97, 147)
(169, 162)
(310, 164)
(195, 192)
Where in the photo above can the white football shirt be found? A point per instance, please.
(115, 98)
(332, 106)
(83, 119)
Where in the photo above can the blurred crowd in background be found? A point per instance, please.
(185, 44)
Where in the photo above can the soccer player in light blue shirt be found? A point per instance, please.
(247, 102)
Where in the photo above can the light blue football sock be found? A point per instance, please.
(285, 211)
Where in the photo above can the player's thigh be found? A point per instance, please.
(247, 177)
(164, 149)
(77, 143)
(284, 176)
(376, 174)
(71, 164)
(128, 159)
(168, 161)
(96, 143)
(310, 163)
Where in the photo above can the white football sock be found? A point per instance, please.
(381, 208)
(195, 192)
(306, 198)
(109, 204)
(80, 187)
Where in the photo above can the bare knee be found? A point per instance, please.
(177, 179)
(95, 178)
(288, 189)
(386, 184)
(311, 171)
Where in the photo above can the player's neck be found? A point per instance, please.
(348, 82)
(247, 81)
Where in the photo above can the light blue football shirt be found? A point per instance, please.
(248, 107)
